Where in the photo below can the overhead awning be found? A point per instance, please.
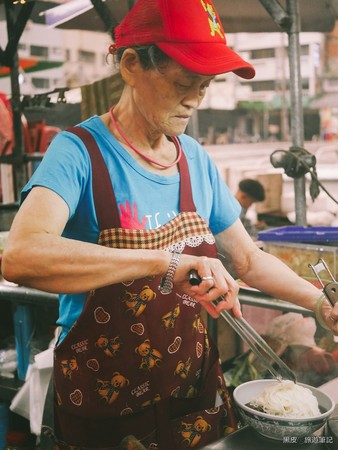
(253, 105)
(277, 101)
(240, 16)
(31, 65)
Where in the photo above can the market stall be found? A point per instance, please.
(287, 17)
(290, 16)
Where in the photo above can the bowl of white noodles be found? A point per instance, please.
(282, 409)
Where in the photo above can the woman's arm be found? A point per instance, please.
(268, 274)
(36, 255)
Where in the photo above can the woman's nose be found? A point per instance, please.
(194, 97)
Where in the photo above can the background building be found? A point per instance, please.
(234, 110)
(260, 107)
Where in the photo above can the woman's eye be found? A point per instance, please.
(186, 86)
(183, 86)
(203, 89)
(205, 85)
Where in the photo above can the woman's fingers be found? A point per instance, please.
(331, 316)
(210, 309)
(208, 281)
(223, 292)
(237, 310)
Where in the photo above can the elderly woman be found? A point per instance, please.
(119, 212)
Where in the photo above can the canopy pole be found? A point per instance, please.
(17, 158)
(289, 21)
(296, 110)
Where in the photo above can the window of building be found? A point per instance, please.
(262, 53)
(22, 46)
(271, 85)
(57, 51)
(87, 57)
(332, 84)
(264, 85)
(304, 50)
(37, 50)
(67, 54)
(40, 83)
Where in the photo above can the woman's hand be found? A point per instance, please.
(330, 316)
(216, 284)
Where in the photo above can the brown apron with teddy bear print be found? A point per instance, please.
(139, 362)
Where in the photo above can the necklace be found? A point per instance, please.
(147, 158)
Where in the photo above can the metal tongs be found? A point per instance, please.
(255, 342)
(330, 289)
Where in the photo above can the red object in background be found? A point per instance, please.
(316, 359)
(46, 137)
(38, 136)
(335, 355)
(7, 103)
(25, 64)
(6, 126)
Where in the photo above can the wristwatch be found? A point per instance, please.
(167, 284)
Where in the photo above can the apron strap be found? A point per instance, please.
(103, 192)
(186, 199)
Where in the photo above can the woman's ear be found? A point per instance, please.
(130, 66)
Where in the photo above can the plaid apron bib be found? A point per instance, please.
(138, 362)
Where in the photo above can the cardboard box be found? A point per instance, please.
(273, 186)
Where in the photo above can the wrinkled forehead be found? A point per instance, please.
(174, 69)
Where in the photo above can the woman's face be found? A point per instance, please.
(167, 98)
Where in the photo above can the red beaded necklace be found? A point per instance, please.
(147, 158)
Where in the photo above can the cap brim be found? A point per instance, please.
(208, 58)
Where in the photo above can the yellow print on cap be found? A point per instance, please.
(215, 26)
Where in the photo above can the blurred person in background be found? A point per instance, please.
(248, 193)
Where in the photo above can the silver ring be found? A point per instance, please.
(208, 278)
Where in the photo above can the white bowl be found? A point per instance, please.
(277, 427)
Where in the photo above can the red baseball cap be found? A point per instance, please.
(189, 31)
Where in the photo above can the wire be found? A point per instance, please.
(311, 171)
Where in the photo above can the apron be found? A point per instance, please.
(139, 362)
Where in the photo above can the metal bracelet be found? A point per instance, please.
(167, 281)
(318, 312)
